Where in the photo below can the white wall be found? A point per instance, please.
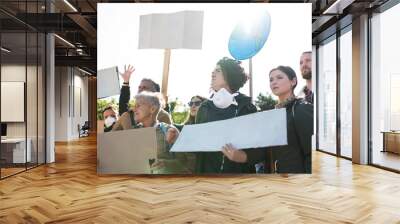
(71, 94)
(33, 127)
(16, 73)
(61, 103)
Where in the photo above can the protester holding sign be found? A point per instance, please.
(296, 156)
(126, 120)
(147, 107)
(109, 114)
(226, 102)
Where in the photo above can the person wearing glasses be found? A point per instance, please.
(189, 158)
(194, 105)
(226, 102)
(296, 156)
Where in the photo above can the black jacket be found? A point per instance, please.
(210, 162)
(124, 100)
(296, 156)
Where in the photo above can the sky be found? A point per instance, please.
(190, 70)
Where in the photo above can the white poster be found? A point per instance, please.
(256, 130)
(108, 82)
(156, 31)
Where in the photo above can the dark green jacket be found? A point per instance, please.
(296, 156)
(210, 162)
(174, 163)
(187, 158)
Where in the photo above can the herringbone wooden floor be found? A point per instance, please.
(69, 191)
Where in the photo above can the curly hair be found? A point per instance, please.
(233, 73)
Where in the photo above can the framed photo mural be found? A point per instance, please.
(184, 88)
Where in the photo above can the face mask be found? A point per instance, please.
(109, 121)
(223, 99)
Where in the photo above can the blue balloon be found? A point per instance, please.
(249, 36)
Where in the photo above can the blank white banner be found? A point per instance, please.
(171, 30)
(107, 82)
(256, 130)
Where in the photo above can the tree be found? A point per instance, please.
(178, 112)
(265, 102)
(172, 105)
(102, 104)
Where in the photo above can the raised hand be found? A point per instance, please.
(127, 73)
(234, 154)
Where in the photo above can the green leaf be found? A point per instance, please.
(265, 102)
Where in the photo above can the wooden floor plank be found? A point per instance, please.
(70, 191)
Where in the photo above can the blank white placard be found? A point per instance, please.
(255, 130)
(171, 30)
(107, 82)
(12, 101)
